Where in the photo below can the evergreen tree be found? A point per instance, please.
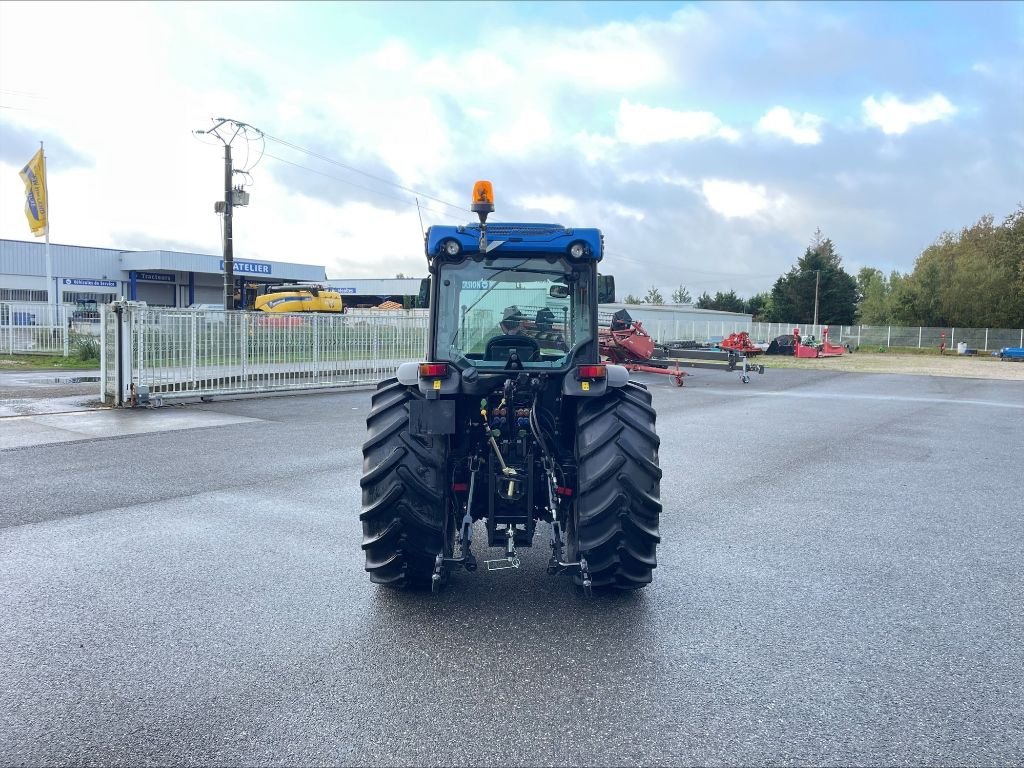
(727, 302)
(793, 293)
(681, 296)
(654, 296)
(757, 305)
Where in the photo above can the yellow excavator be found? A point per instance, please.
(298, 297)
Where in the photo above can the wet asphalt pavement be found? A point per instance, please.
(839, 582)
(24, 393)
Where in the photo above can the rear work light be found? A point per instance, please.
(592, 372)
(433, 370)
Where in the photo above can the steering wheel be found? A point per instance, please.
(500, 347)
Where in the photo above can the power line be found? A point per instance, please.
(340, 164)
(405, 200)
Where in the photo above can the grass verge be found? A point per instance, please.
(46, 363)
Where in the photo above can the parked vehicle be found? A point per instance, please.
(86, 311)
(512, 419)
(299, 297)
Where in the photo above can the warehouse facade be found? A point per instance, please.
(159, 278)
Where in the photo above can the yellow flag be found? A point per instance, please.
(34, 176)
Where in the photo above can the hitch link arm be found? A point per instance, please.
(505, 469)
(556, 526)
(466, 532)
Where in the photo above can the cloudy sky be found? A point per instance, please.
(708, 141)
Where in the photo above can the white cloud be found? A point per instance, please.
(798, 128)
(626, 212)
(595, 148)
(737, 199)
(639, 124)
(550, 204)
(614, 57)
(896, 117)
(660, 177)
(522, 134)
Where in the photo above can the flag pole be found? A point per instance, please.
(51, 294)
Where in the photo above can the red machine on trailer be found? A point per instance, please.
(624, 341)
(740, 342)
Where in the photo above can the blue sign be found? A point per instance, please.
(154, 277)
(345, 290)
(248, 268)
(91, 283)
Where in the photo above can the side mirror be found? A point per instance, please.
(423, 299)
(558, 291)
(605, 289)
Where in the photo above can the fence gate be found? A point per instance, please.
(165, 354)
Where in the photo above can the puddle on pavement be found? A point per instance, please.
(18, 406)
(76, 379)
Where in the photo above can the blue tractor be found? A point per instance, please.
(512, 418)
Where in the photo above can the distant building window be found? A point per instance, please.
(21, 294)
(73, 297)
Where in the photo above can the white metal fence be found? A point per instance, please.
(886, 336)
(184, 353)
(38, 328)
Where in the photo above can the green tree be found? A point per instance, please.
(681, 296)
(971, 278)
(757, 305)
(631, 299)
(819, 269)
(727, 302)
(704, 301)
(654, 296)
(873, 298)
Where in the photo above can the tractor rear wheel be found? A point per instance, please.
(618, 505)
(405, 496)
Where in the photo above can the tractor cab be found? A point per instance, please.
(521, 296)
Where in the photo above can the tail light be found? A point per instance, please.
(433, 370)
(591, 372)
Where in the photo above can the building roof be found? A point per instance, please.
(28, 257)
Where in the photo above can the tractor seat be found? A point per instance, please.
(500, 347)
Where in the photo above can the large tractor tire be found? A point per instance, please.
(615, 521)
(405, 497)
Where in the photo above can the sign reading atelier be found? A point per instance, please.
(249, 268)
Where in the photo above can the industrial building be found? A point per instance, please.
(161, 278)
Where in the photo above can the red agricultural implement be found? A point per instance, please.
(825, 349)
(740, 342)
(624, 341)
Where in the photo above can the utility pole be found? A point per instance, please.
(817, 280)
(229, 250)
(232, 197)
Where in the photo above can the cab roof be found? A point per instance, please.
(514, 239)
